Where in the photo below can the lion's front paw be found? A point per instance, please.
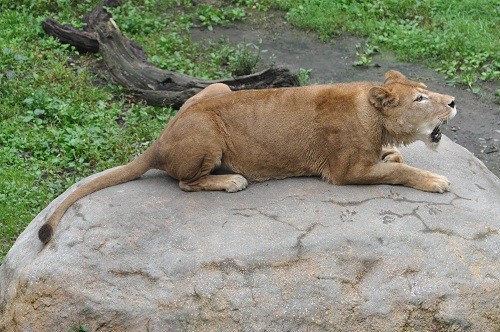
(435, 183)
(391, 155)
(236, 183)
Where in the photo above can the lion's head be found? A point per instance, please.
(410, 111)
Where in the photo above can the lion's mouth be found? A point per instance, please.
(436, 134)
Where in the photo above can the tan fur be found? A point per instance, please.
(345, 133)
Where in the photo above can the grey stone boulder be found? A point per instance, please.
(290, 255)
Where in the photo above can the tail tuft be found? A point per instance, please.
(45, 233)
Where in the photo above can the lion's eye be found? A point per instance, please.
(420, 98)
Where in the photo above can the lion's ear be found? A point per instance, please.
(393, 75)
(381, 98)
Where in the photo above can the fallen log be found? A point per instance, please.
(83, 41)
(160, 87)
(99, 14)
(128, 66)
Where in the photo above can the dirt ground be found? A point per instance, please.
(476, 126)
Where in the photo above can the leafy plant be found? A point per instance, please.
(364, 54)
(79, 328)
(243, 60)
(304, 76)
(468, 69)
(209, 15)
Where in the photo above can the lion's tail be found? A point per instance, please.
(114, 176)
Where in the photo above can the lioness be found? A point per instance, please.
(345, 133)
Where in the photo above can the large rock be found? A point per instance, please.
(290, 255)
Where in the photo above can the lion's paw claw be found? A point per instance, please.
(236, 183)
(437, 183)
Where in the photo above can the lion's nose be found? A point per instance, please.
(452, 104)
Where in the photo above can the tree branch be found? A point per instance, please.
(128, 66)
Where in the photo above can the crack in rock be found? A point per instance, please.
(139, 273)
(255, 211)
(226, 266)
(479, 236)
(353, 203)
(389, 216)
(299, 246)
(485, 235)
(396, 197)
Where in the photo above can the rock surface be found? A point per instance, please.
(289, 255)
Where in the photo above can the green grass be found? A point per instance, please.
(60, 121)
(457, 37)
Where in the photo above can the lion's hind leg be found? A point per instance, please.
(228, 182)
(391, 154)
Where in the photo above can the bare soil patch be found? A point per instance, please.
(476, 127)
